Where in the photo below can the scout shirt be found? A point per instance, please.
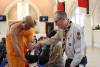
(75, 43)
(57, 56)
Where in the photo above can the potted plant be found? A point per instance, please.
(97, 27)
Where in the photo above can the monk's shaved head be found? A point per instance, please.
(29, 20)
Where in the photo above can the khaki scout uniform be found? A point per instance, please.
(57, 56)
(75, 43)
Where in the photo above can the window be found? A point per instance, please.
(73, 19)
(82, 20)
(77, 17)
(77, 10)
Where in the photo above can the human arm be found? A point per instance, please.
(29, 40)
(49, 41)
(79, 47)
(50, 62)
(25, 44)
(13, 34)
(29, 44)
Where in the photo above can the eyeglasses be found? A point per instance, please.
(58, 20)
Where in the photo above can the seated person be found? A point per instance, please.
(56, 58)
(35, 39)
(3, 47)
(40, 47)
(44, 38)
(3, 59)
(44, 55)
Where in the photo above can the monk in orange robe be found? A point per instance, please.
(25, 46)
(14, 41)
(25, 42)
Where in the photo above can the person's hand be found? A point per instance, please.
(40, 54)
(25, 61)
(42, 48)
(35, 46)
(50, 62)
(38, 51)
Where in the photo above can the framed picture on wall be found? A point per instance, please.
(43, 18)
(2, 17)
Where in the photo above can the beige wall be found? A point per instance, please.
(33, 12)
(88, 28)
(42, 25)
(96, 40)
(54, 10)
(3, 28)
(12, 14)
(69, 5)
(3, 5)
(92, 4)
(96, 17)
(45, 6)
(11, 21)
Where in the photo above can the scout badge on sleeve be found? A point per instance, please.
(78, 36)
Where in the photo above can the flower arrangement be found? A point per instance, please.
(97, 27)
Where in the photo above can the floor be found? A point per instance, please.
(93, 57)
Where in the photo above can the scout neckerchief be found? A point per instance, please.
(64, 35)
(63, 46)
(51, 50)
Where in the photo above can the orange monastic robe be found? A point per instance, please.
(25, 49)
(13, 59)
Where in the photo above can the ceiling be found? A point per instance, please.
(53, 2)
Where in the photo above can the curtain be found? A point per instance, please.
(46, 29)
(49, 27)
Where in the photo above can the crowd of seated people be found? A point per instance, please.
(3, 59)
(42, 52)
